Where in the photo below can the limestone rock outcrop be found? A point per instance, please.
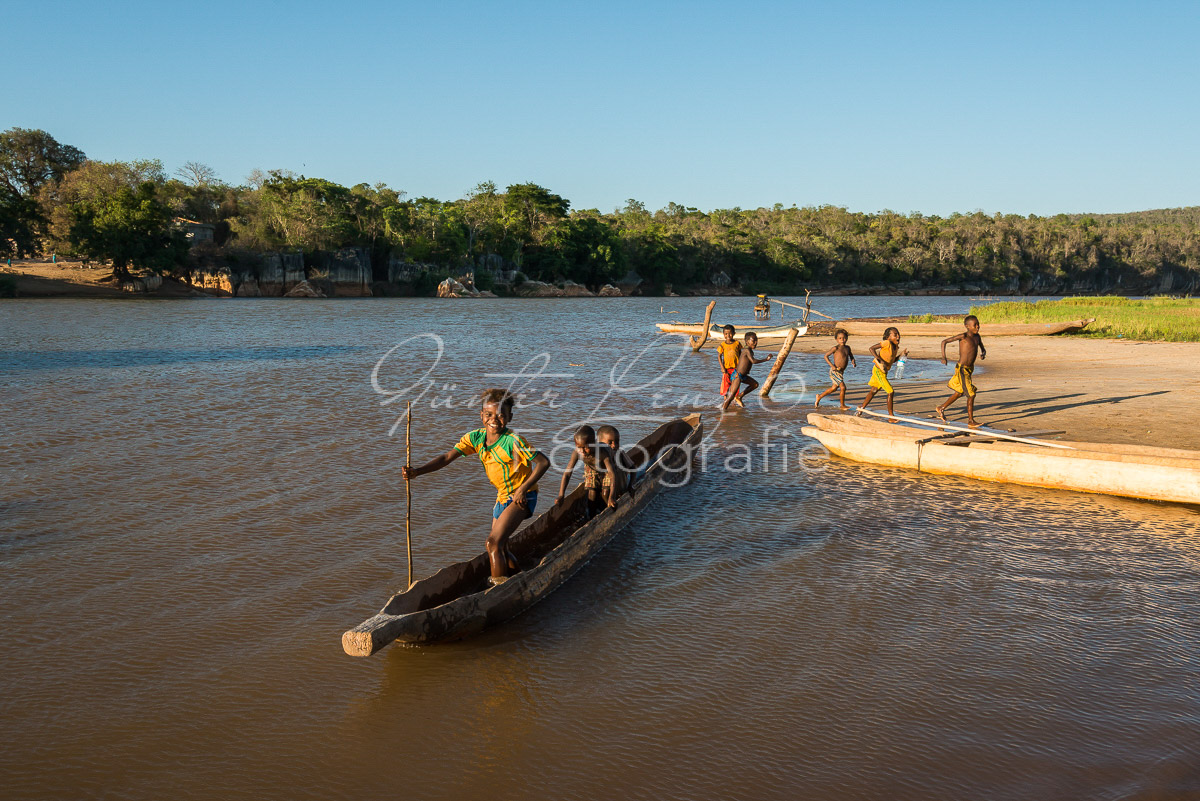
(538, 289)
(573, 290)
(304, 290)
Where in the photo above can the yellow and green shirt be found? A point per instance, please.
(508, 461)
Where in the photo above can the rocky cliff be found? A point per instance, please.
(345, 273)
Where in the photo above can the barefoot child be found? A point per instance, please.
(970, 344)
(604, 480)
(512, 466)
(842, 355)
(745, 362)
(727, 358)
(886, 354)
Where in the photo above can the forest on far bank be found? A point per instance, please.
(53, 199)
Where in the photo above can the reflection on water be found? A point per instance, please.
(186, 530)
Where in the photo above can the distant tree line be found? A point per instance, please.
(54, 199)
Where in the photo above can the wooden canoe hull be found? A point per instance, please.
(766, 333)
(422, 614)
(873, 328)
(1159, 474)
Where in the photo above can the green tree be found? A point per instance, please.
(29, 159)
(130, 227)
(90, 182)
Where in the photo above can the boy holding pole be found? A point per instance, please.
(513, 467)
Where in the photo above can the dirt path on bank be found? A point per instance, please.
(1100, 390)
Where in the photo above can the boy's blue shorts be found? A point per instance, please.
(530, 501)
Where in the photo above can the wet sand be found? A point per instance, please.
(1100, 390)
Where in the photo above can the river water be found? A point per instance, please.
(198, 497)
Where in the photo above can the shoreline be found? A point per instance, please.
(1099, 390)
(70, 279)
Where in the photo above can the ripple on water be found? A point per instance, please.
(187, 526)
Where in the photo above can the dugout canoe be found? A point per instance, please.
(766, 333)
(1132, 471)
(457, 601)
(875, 328)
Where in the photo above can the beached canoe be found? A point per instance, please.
(766, 333)
(457, 601)
(875, 328)
(1133, 471)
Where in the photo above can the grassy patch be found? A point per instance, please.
(920, 318)
(1149, 319)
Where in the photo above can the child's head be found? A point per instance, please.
(497, 409)
(751, 338)
(609, 436)
(971, 322)
(841, 336)
(728, 331)
(892, 334)
(585, 440)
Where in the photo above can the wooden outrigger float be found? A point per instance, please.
(457, 601)
(875, 328)
(1132, 471)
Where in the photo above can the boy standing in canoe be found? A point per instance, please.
(745, 362)
(842, 356)
(727, 357)
(886, 354)
(608, 435)
(970, 344)
(513, 467)
(602, 476)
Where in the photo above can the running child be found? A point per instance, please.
(886, 354)
(745, 362)
(513, 467)
(602, 478)
(970, 345)
(842, 355)
(727, 358)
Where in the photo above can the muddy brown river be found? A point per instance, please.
(198, 497)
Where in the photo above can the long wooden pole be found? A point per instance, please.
(802, 308)
(953, 427)
(779, 360)
(408, 493)
(698, 342)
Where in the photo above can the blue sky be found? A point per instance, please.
(1020, 108)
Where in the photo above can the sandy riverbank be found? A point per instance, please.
(71, 279)
(1099, 390)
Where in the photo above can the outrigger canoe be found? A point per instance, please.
(766, 333)
(875, 328)
(457, 601)
(1133, 471)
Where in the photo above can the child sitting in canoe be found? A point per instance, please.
(728, 353)
(970, 345)
(743, 380)
(607, 435)
(513, 467)
(602, 478)
(886, 354)
(842, 356)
